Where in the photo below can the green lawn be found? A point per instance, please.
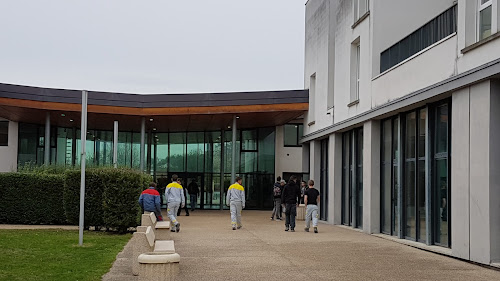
(55, 254)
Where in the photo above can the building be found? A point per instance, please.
(187, 134)
(405, 145)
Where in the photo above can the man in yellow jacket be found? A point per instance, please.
(236, 200)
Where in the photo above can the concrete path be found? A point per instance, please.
(22, 226)
(262, 250)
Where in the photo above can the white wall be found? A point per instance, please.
(317, 61)
(8, 154)
(288, 159)
(396, 19)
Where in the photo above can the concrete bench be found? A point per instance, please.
(301, 212)
(156, 266)
(161, 228)
(146, 242)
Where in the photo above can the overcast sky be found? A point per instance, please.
(153, 46)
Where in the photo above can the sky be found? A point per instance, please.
(153, 46)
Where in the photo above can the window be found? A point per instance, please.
(4, 133)
(293, 132)
(312, 96)
(352, 178)
(484, 18)
(355, 70)
(437, 29)
(361, 7)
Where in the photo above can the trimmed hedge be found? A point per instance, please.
(41, 198)
(110, 197)
(31, 198)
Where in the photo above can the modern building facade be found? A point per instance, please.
(405, 145)
(187, 134)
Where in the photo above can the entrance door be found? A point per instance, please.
(199, 179)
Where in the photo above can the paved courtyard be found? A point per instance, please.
(262, 250)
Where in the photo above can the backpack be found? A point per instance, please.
(277, 191)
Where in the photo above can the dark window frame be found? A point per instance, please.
(2, 123)
(298, 135)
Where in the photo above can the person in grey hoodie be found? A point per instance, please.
(175, 199)
(236, 200)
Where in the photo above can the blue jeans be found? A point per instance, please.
(193, 198)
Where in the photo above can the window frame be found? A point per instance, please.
(358, 14)
(7, 132)
(297, 127)
(481, 7)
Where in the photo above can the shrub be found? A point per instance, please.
(31, 198)
(120, 196)
(93, 213)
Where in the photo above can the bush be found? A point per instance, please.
(110, 197)
(120, 196)
(31, 198)
(48, 196)
(93, 213)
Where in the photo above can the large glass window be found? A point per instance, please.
(352, 178)
(484, 18)
(177, 152)
(421, 180)
(293, 133)
(4, 133)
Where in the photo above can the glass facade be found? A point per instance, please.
(352, 178)
(205, 157)
(420, 205)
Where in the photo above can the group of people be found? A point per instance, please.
(286, 196)
(176, 200)
(289, 196)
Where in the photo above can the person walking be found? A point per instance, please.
(179, 181)
(277, 199)
(311, 200)
(303, 188)
(194, 192)
(236, 200)
(175, 199)
(290, 196)
(150, 201)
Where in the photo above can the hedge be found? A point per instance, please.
(110, 197)
(31, 198)
(41, 198)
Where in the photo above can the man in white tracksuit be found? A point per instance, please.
(236, 200)
(175, 199)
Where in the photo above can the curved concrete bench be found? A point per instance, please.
(155, 266)
(145, 242)
(301, 212)
(161, 228)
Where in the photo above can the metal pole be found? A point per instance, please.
(47, 140)
(83, 139)
(233, 152)
(143, 136)
(115, 144)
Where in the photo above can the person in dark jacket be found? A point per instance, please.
(150, 201)
(290, 196)
(179, 180)
(277, 199)
(193, 191)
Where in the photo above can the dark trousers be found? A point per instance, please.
(290, 213)
(185, 209)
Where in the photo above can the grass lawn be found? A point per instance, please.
(55, 254)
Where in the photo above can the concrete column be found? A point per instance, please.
(335, 179)
(233, 152)
(315, 160)
(371, 177)
(143, 136)
(47, 140)
(484, 177)
(115, 144)
(460, 163)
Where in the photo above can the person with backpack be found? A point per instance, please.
(277, 200)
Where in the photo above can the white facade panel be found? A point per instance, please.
(8, 154)
(288, 159)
